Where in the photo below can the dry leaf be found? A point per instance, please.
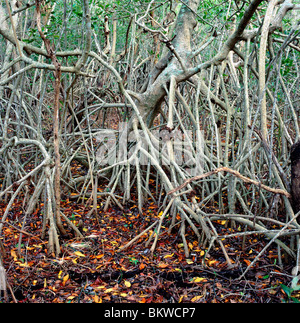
(79, 254)
(163, 265)
(71, 297)
(65, 279)
(14, 255)
(248, 262)
(198, 280)
(97, 299)
(127, 283)
(196, 299)
(169, 256)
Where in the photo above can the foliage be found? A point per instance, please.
(290, 290)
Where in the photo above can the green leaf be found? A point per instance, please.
(287, 290)
(295, 300)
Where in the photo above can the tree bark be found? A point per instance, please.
(179, 53)
(57, 74)
(262, 67)
(9, 47)
(295, 185)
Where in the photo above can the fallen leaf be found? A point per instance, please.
(25, 265)
(65, 279)
(100, 287)
(211, 262)
(248, 262)
(169, 256)
(14, 255)
(71, 297)
(79, 254)
(198, 280)
(97, 299)
(181, 298)
(163, 265)
(127, 283)
(196, 298)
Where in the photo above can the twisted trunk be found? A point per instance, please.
(178, 59)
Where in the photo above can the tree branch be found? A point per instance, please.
(235, 173)
(228, 46)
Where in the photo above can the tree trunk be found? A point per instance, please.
(295, 158)
(9, 47)
(150, 101)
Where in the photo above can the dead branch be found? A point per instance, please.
(235, 173)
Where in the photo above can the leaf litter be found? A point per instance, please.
(92, 270)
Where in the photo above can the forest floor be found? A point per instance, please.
(93, 270)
